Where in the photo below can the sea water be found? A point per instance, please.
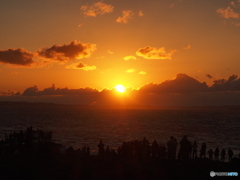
(77, 126)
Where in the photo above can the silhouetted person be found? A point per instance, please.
(100, 148)
(210, 154)
(230, 154)
(194, 149)
(108, 151)
(223, 154)
(162, 152)
(154, 149)
(145, 142)
(203, 150)
(84, 150)
(172, 148)
(88, 150)
(185, 146)
(216, 154)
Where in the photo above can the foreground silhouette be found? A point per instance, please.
(32, 154)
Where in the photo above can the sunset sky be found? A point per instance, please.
(99, 44)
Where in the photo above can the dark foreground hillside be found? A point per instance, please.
(31, 155)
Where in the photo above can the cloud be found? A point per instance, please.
(155, 53)
(110, 52)
(31, 91)
(79, 26)
(51, 91)
(74, 50)
(140, 13)
(187, 47)
(181, 84)
(130, 71)
(81, 66)
(186, 84)
(209, 76)
(126, 16)
(228, 13)
(98, 8)
(16, 57)
(127, 58)
(142, 73)
(86, 67)
(181, 91)
(230, 84)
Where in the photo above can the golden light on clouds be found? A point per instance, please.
(127, 58)
(187, 47)
(228, 13)
(98, 8)
(140, 13)
(142, 73)
(81, 66)
(126, 16)
(105, 43)
(110, 52)
(155, 53)
(130, 71)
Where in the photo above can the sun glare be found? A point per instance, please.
(120, 88)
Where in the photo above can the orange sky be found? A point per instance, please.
(100, 44)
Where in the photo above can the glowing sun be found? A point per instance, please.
(120, 88)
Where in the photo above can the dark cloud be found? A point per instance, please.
(230, 84)
(74, 50)
(16, 57)
(31, 91)
(209, 76)
(181, 91)
(182, 84)
(80, 65)
(51, 91)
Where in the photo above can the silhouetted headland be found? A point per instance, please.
(32, 154)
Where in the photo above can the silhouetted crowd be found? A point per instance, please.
(187, 150)
(41, 142)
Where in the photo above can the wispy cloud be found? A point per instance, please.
(142, 73)
(110, 52)
(98, 8)
(126, 16)
(187, 47)
(228, 13)
(82, 66)
(79, 26)
(155, 53)
(16, 57)
(74, 50)
(140, 13)
(130, 71)
(127, 58)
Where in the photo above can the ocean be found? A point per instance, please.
(77, 126)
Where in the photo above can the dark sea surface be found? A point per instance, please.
(77, 126)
